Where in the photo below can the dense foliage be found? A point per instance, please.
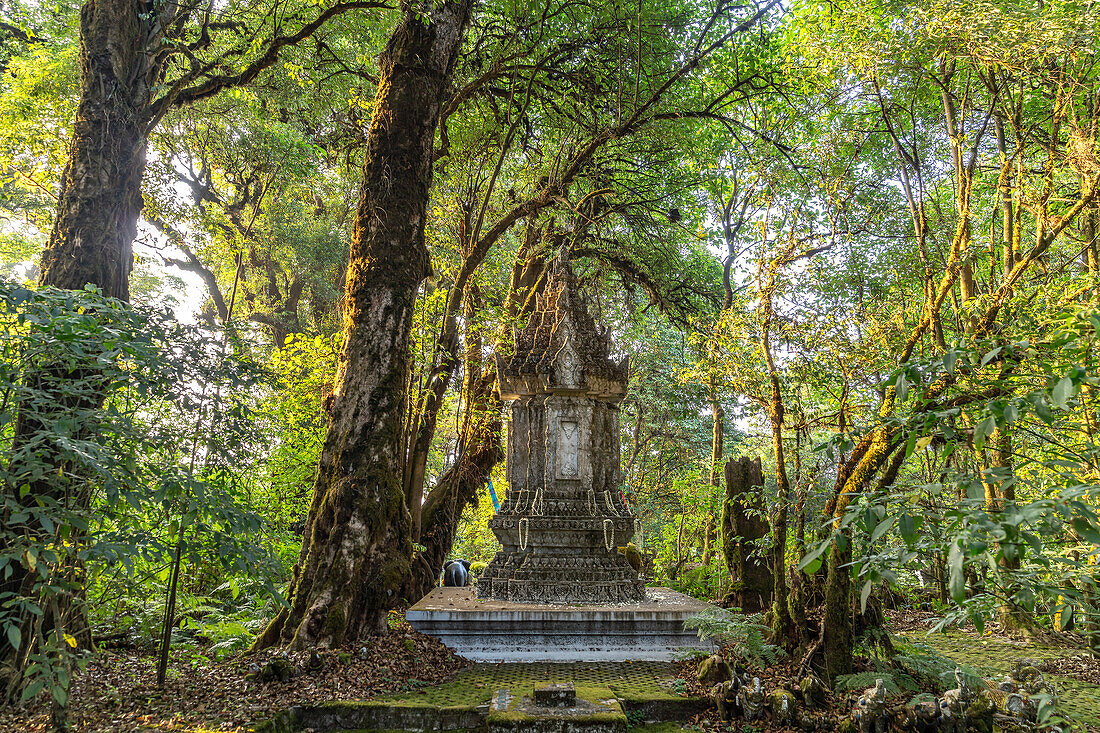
(858, 240)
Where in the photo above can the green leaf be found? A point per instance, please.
(864, 595)
(910, 444)
(812, 560)
(32, 689)
(1087, 529)
(907, 526)
(956, 578)
(1062, 393)
(15, 636)
(949, 359)
(882, 528)
(1065, 618)
(902, 387)
(983, 430)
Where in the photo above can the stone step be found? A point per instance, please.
(499, 631)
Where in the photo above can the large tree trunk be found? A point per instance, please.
(480, 449)
(742, 526)
(100, 198)
(90, 244)
(356, 552)
(838, 609)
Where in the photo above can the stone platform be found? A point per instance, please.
(491, 698)
(484, 630)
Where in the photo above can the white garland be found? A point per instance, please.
(609, 540)
(538, 506)
(607, 500)
(590, 502)
(524, 533)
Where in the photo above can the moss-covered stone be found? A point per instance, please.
(277, 668)
(979, 714)
(781, 705)
(713, 670)
(630, 552)
(644, 691)
(995, 657)
(813, 691)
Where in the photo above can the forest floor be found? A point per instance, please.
(117, 691)
(1063, 660)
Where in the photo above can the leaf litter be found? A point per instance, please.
(117, 691)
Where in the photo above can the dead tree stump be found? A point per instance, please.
(743, 524)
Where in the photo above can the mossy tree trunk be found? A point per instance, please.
(356, 552)
(739, 529)
(90, 244)
(838, 639)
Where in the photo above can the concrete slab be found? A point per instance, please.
(485, 630)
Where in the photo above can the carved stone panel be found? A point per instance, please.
(568, 439)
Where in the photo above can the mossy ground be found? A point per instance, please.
(640, 685)
(996, 656)
(629, 681)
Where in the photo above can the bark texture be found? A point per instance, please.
(356, 551)
(100, 198)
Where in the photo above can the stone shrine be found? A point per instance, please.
(559, 590)
(564, 517)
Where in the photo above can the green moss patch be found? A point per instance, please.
(597, 710)
(637, 692)
(995, 657)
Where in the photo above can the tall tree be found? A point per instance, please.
(137, 60)
(357, 547)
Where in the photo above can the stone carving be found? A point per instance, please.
(713, 670)
(921, 716)
(954, 704)
(724, 696)
(564, 517)
(567, 445)
(814, 692)
(870, 710)
(751, 700)
(781, 703)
